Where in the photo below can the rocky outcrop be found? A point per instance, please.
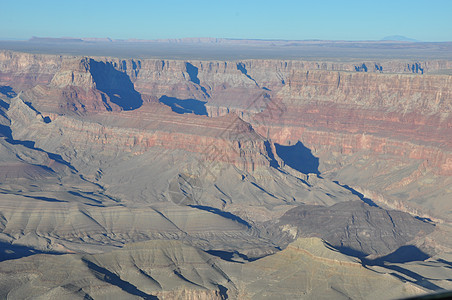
(23, 71)
(341, 107)
(83, 86)
(157, 76)
(152, 270)
(225, 139)
(356, 227)
(94, 158)
(427, 94)
(171, 269)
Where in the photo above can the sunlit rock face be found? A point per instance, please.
(202, 179)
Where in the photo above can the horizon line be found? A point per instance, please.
(401, 39)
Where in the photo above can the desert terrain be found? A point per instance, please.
(225, 169)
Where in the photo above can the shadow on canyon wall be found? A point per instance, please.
(112, 278)
(271, 156)
(193, 73)
(298, 157)
(7, 91)
(222, 213)
(185, 106)
(116, 84)
(404, 254)
(356, 193)
(5, 131)
(9, 251)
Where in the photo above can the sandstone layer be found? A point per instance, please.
(234, 159)
(168, 270)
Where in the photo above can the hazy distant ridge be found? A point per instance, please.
(399, 38)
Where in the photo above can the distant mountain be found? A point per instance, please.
(398, 38)
(207, 40)
(55, 40)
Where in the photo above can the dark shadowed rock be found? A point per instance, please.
(356, 228)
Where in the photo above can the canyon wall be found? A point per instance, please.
(397, 108)
(236, 160)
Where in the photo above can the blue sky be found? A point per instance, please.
(429, 20)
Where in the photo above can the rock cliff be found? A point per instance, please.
(308, 268)
(384, 107)
(237, 158)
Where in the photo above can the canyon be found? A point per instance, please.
(224, 179)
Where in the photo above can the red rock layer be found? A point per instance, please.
(399, 93)
(403, 114)
(225, 139)
(158, 77)
(68, 99)
(406, 115)
(23, 70)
